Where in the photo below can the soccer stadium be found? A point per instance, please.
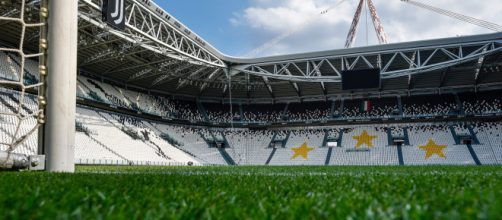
(115, 109)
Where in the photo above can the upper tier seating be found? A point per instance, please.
(482, 102)
(378, 108)
(308, 111)
(429, 105)
(263, 112)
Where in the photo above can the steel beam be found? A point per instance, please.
(391, 67)
(152, 31)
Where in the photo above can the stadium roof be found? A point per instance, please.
(158, 53)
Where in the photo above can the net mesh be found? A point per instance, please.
(22, 74)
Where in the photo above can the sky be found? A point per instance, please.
(254, 28)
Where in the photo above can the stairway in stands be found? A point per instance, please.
(224, 152)
(274, 149)
(170, 140)
(226, 156)
(473, 154)
(23, 105)
(202, 110)
(475, 138)
(91, 93)
(157, 149)
(276, 139)
(221, 149)
(29, 78)
(271, 156)
(456, 137)
(325, 141)
(328, 156)
(7, 104)
(400, 154)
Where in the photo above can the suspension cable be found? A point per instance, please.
(461, 17)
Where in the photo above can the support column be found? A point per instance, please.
(61, 85)
(400, 105)
(332, 110)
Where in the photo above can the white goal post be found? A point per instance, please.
(59, 129)
(50, 113)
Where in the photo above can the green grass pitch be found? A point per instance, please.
(435, 192)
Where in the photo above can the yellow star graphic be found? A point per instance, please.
(364, 138)
(302, 151)
(432, 148)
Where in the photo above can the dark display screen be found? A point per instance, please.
(361, 79)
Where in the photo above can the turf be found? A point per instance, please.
(436, 192)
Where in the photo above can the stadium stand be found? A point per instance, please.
(106, 136)
(378, 154)
(375, 108)
(312, 138)
(9, 131)
(489, 150)
(308, 111)
(121, 140)
(482, 102)
(440, 135)
(263, 112)
(429, 105)
(219, 113)
(8, 69)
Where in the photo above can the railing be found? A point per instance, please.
(127, 163)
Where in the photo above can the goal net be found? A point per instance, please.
(22, 77)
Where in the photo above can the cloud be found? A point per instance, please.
(297, 25)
